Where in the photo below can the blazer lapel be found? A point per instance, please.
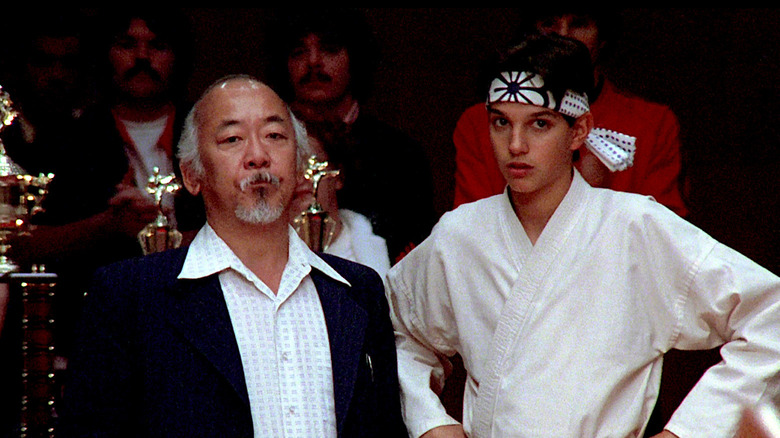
(347, 323)
(198, 310)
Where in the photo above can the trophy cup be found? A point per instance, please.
(20, 194)
(314, 225)
(160, 235)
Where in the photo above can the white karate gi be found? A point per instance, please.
(565, 338)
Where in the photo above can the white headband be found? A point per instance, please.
(614, 149)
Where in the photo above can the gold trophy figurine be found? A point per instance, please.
(160, 235)
(314, 225)
(20, 194)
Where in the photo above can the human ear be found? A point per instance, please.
(581, 128)
(191, 179)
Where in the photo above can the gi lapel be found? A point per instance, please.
(533, 264)
(347, 323)
(198, 310)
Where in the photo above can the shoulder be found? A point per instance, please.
(356, 221)
(476, 112)
(158, 268)
(473, 213)
(643, 218)
(627, 106)
(358, 275)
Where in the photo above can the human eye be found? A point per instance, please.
(228, 139)
(159, 45)
(297, 52)
(124, 42)
(498, 122)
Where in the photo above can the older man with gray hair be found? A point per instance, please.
(246, 332)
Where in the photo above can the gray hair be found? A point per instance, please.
(188, 151)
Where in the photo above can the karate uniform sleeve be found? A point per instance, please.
(424, 333)
(735, 302)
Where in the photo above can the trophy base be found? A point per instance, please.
(159, 238)
(317, 229)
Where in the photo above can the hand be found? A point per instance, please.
(450, 431)
(129, 210)
(665, 434)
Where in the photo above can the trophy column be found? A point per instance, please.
(26, 299)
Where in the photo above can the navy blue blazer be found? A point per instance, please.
(157, 356)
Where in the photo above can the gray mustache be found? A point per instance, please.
(260, 177)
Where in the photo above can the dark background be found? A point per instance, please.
(716, 68)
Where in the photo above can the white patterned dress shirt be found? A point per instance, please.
(282, 338)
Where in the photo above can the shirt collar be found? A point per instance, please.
(209, 254)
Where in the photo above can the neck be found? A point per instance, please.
(323, 111)
(264, 249)
(534, 210)
(145, 111)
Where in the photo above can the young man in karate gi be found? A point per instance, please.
(563, 298)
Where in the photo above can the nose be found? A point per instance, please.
(518, 144)
(256, 155)
(142, 50)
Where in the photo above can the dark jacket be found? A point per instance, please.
(157, 356)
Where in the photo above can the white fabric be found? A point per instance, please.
(357, 242)
(147, 153)
(282, 338)
(565, 338)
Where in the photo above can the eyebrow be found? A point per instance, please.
(268, 120)
(542, 112)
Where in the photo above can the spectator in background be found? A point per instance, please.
(96, 203)
(352, 236)
(323, 62)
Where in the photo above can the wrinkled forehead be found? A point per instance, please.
(240, 100)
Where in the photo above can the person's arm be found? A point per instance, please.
(734, 301)
(128, 212)
(422, 352)
(452, 431)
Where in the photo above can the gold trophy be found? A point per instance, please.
(314, 225)
(160, 235)
(21, 194)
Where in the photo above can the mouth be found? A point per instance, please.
(519, 169)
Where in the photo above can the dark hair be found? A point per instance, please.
(340, 27)
(607, 20)
(563, 63)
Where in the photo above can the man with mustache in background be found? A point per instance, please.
(97, 202)
(323, 62)
(246, 332)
